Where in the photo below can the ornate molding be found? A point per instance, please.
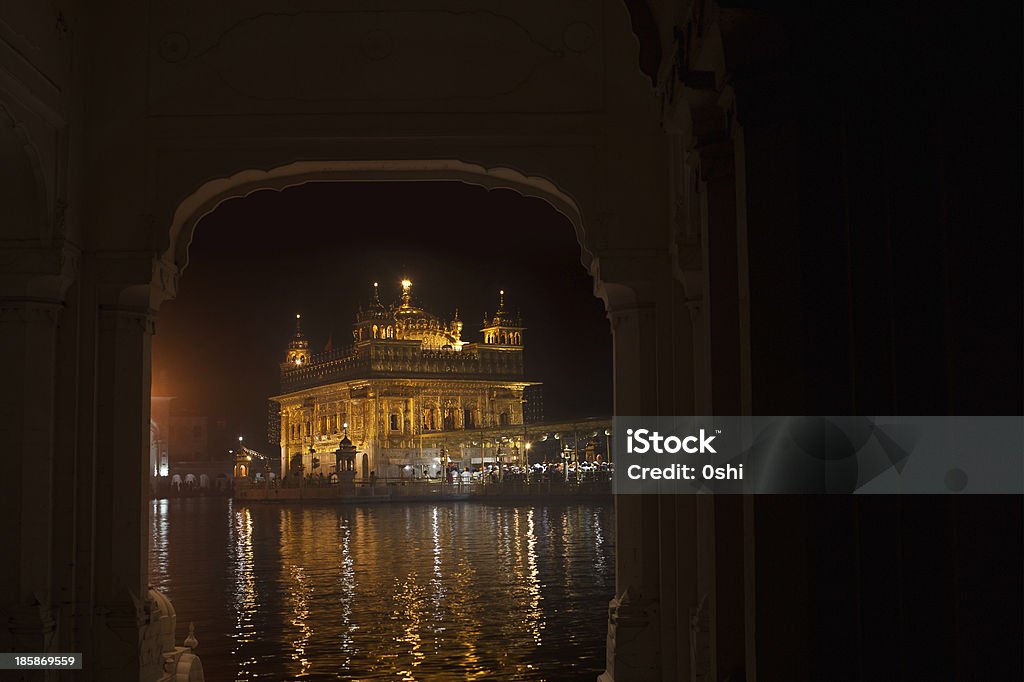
(38, 271)
(30, 310)
(143, 320)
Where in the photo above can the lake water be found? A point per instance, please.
(403, 591)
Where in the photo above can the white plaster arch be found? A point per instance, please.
(205, 199)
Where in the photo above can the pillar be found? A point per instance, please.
(28, 342)
(772, 338)
(634, 645)
(121, 507)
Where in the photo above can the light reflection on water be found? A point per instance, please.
(412, 591)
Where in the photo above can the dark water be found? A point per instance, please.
(415, 591)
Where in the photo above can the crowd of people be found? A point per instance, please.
(537, 473)
(546, 473)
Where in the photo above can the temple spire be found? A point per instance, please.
(298, 347)
(502, 329)
(406, 291)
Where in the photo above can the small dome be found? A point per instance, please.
(165, 616)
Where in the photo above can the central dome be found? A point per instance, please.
(405, 321)
(414, 323)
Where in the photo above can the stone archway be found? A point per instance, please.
(624, 284)
(165, 144)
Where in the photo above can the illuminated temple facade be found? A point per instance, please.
(408, 375)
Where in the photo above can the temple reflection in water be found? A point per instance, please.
(397, 591)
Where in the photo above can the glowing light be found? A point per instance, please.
(239, 439)
(344, 425)
(406, 284)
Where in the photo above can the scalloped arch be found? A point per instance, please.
(212, 193)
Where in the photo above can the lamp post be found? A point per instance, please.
(558, 438)
(444, 464)
(499, 457)
(526, 461)
(576, 451)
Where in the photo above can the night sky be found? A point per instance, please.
(317, 249)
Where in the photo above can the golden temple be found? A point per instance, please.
(407, 378)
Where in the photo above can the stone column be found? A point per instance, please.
(121, 506)
(771, 228)
(634, 616)
(68, 540)
(34, 283)
(286, 438)
(28, 342)
(687, 342)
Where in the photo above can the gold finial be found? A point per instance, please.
(501, 299)
(376, 293)
(406, 291)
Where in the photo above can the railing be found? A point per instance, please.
(377, 490)
(593, 484)
(402, 358)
